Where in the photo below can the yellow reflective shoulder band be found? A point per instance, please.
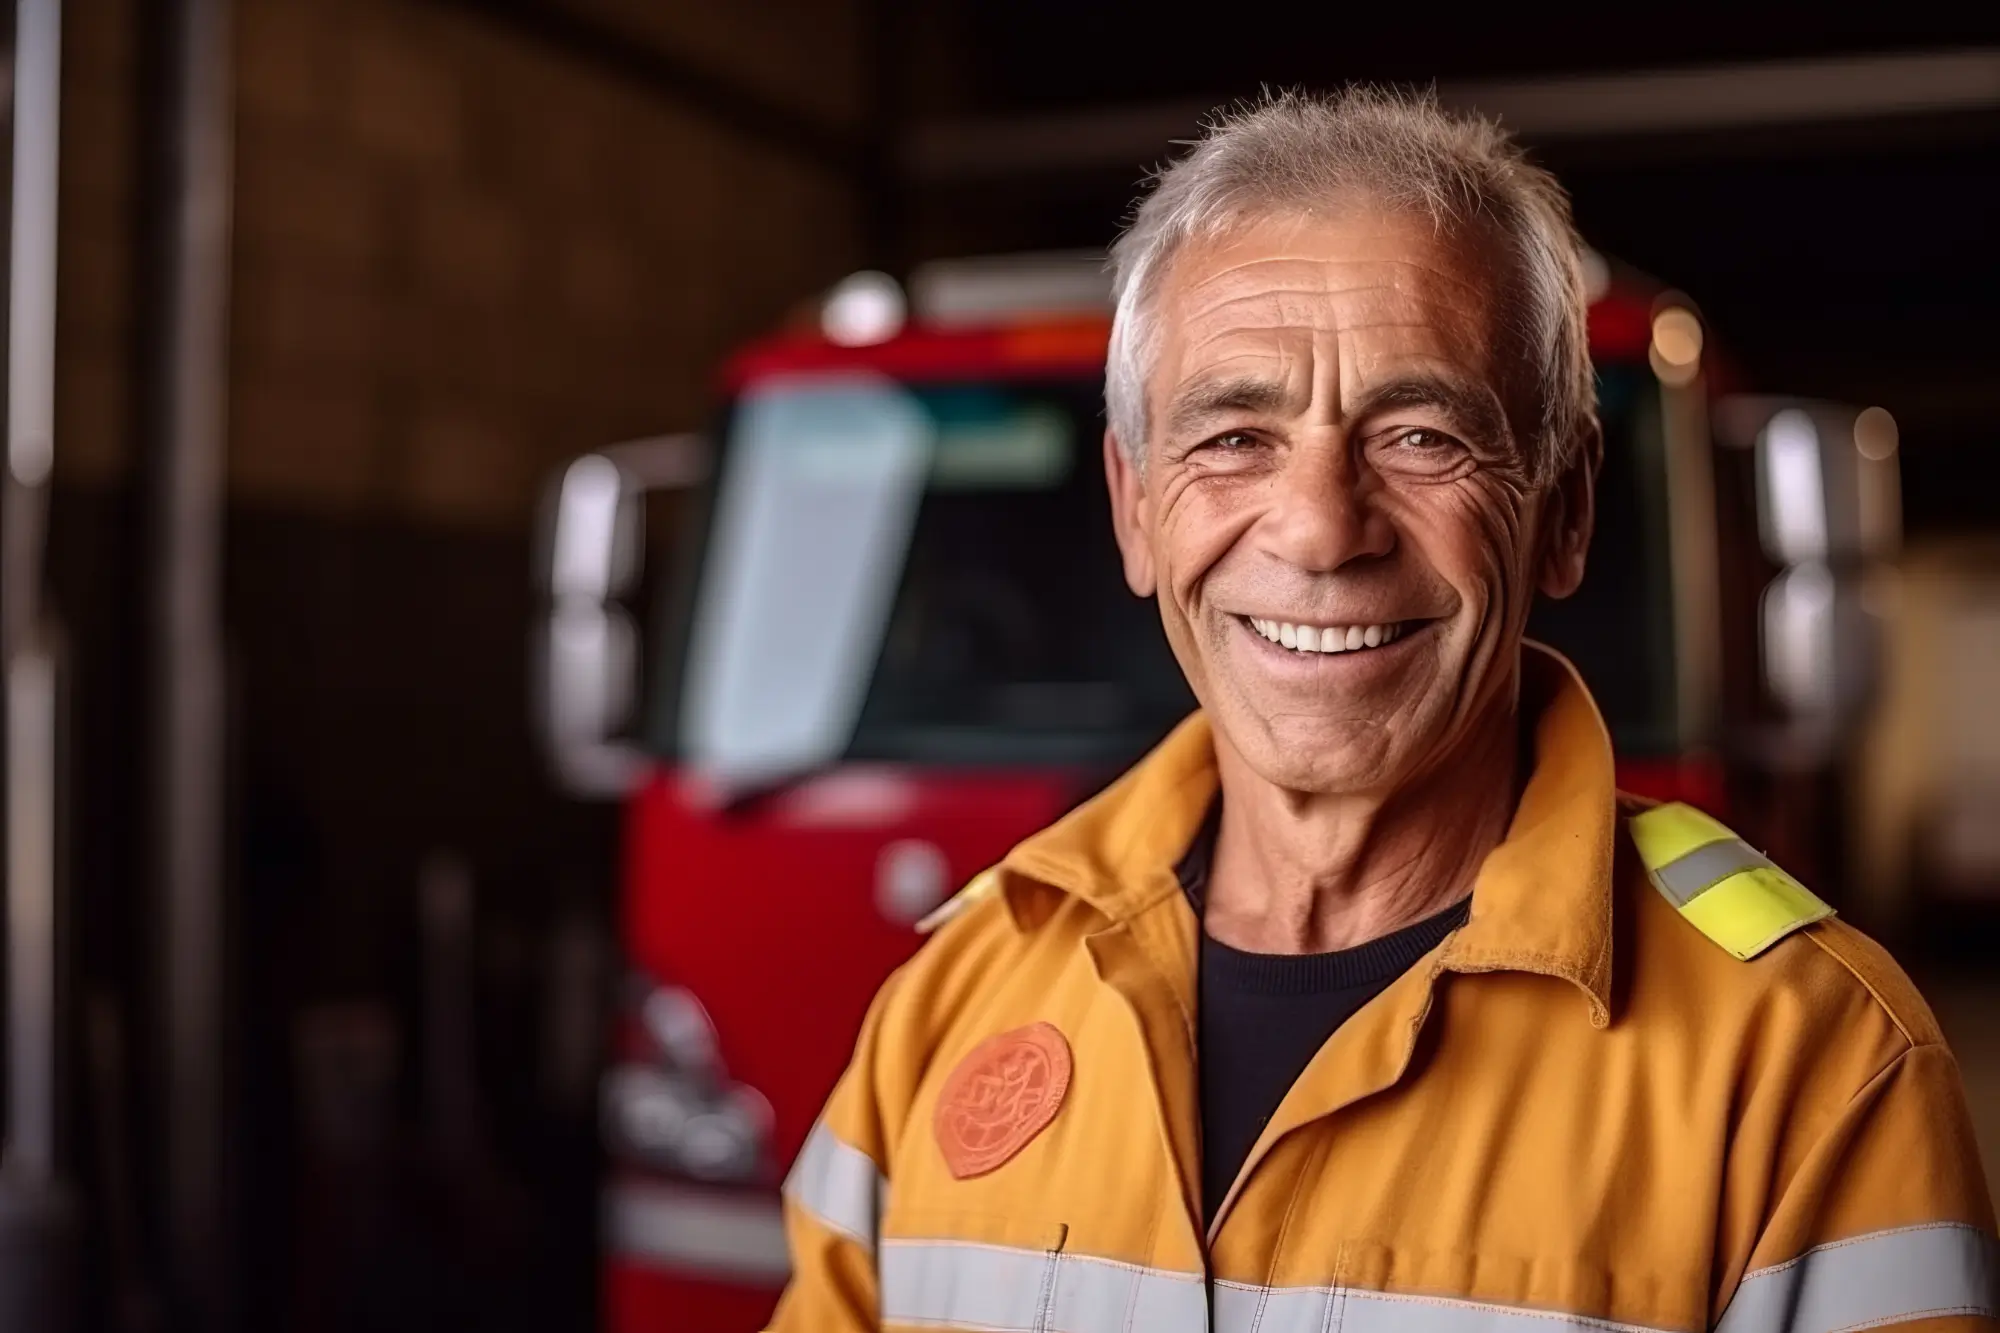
(1727, 889)
(983, 885)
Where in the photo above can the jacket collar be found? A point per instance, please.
(1542, 899)
(1540, 903)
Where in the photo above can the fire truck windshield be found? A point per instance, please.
(915, 573)
(925, 573)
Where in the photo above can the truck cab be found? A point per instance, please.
(889, 638)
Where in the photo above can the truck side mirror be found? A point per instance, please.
(1828, 486)
(587, 649)
(1829, 514)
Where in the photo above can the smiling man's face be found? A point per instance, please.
(1341, 424)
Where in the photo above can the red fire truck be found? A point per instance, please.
(888, 638)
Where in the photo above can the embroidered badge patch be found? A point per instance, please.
(1000, 1097)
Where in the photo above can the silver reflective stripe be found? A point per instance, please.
(957, 1284)
(839, 1185)
(1242, 1309)
(998, 1289)
(1687, 877)
(1883, 1278)
(1276, 1309)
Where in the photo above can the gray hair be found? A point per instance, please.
(1290, 152)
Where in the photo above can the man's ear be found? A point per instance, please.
(1130, 516)
(1568, 517)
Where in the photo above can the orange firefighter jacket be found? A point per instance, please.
(1578, 1113)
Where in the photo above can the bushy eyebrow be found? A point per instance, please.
(1471, 408)
(1201, 402)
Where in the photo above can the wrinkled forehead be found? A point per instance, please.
(1383, 291)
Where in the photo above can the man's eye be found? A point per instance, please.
(1233, 441)
(1420, 453)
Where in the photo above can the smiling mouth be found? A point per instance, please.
(1323, 639)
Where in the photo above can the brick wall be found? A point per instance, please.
(460, 256)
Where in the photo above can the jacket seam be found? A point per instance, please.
(1345, 1290)
(1819, 938)
(1336, 1305)
(1313, 1161)
(1045, 1304)
(833, 1228)
(1558, 967)
(1939, 1313)
(1804, 1255)
(1152, 1239)
(1168, 1274)
(1736, 1288)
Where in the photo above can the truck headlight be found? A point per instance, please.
(670, 1104)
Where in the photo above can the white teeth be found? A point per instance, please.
(1330, 639)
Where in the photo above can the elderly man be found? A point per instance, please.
(1365, 1002)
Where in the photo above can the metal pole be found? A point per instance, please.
(187, 351)
(30, 680)
(37, 1213)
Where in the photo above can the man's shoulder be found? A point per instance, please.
(1857, 960)
(980, 960)
(1820, 978)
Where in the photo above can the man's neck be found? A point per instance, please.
(1308, 872)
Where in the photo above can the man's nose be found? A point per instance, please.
(1324, 513)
